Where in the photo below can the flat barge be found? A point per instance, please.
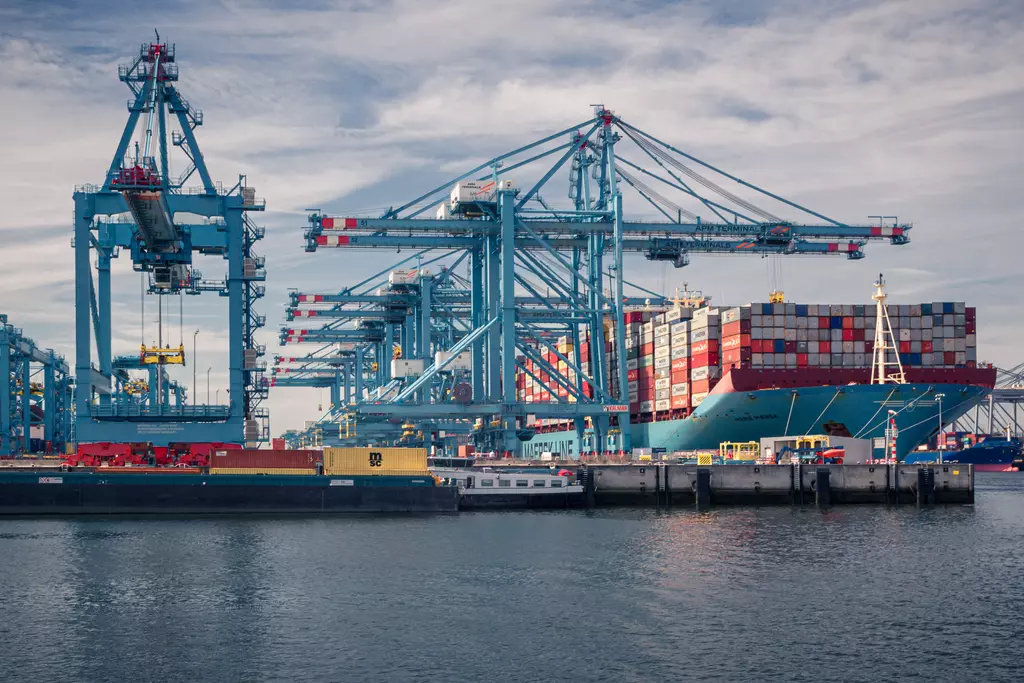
(105, 493)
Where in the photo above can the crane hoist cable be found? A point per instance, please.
(655, 195)
(657, 150)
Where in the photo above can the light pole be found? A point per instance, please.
(942, 443)
(208, 384)
(217, 395)
(195, 364)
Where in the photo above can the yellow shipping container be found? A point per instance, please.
(392, 461)
(261, 470)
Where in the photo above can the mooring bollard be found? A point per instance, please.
(703, 489)
(822, 487)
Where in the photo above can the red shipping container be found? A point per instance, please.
(563, 392)
(585, 354)
(802, 360)
(736, 356)
(702, 361)
(680, 364)
(970, 326)
(634, 407)
(632, 375)
(790, 347)
(680, 402)
(277, 444)
(251, 458)
(756, 346)
(737, 341)
(544, 396)
(847, 323)
(824, 347)
(702, 386)
(647, 371)
(847, 334)
(926, 347)
(904, 347)
(647, 349)
(736, 327)
(680, 376)
(588, 390)
(702, 347)
(970, 315)
(824, 323)
(646, 394)
(869, 346)
(949, 357)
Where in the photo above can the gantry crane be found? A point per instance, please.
(22, 365)
(162, 222)
(569, 261)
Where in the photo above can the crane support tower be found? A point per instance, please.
(161, 221)
(544, 298)
(35, 396)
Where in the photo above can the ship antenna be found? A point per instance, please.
(885, 341)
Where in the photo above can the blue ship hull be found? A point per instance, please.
(994, 454)
(857, 410)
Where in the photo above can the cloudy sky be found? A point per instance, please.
(899, 107)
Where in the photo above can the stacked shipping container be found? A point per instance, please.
(675, 358)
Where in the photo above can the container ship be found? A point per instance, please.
(701, 375)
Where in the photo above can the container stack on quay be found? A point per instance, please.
(675, 358)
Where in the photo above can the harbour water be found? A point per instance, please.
(772, 594)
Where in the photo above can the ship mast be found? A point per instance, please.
(885, 341)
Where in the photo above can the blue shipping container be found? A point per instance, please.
(926, 309)
(837, 322)
(947, 307)
(780, 346)
(801, 310)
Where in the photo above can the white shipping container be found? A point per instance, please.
(662, 351)
(680, 352)
(697, 399)
(681, 389)
(789, 334)
(663, 405)
(709, 372)
(646, 406)
(971, 340)
(663, 383)
(660, 363)
(904, 334)
(632, 363)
